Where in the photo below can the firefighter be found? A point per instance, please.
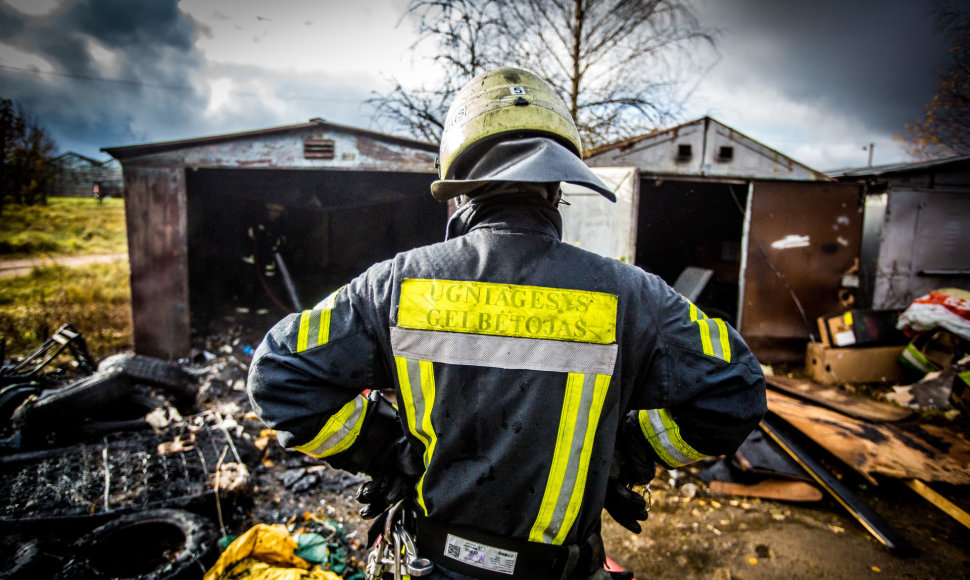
(535, 382)
(261, 287)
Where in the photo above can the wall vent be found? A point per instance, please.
(725, 153)
(683, 151)
(318, 149)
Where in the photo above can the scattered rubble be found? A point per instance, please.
(187, 448)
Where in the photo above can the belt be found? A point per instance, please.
(490, 556)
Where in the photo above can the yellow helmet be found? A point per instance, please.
(508, 125)
(503, 102)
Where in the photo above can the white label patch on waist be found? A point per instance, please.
(480, 555)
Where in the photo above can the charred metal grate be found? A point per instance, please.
(318, 149)
(123, 472)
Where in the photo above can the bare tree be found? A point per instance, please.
(26, 171)
(463, 36)
(622, 66)
(944, 129)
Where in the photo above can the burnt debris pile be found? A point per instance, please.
(137, 467)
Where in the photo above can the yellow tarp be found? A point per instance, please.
(264, 553)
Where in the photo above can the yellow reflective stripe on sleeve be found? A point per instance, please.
(508, 310)
(304, 332)
(663, 434)
(722, 335)
(714, 334)
(566, 484)
(315, 324)
(416, 379)
(340, 431)
(693, 312)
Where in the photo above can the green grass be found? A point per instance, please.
(96, 299)
(65, 226)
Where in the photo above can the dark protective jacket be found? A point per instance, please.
(514, 357)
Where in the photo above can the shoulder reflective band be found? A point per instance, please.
(663, 434)
(508, 310)
(416, 378)
(566, 484)
(340, 431)
(714, 334)
(315, 324)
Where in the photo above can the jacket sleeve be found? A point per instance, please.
(308, 374)
(711, 387)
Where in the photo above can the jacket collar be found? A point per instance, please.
(516, 212)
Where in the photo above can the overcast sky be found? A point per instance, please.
(816, 79)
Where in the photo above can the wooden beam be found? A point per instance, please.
(930, 495)
(864, 514)
(769, 489)
(903, 451)
(839, 400)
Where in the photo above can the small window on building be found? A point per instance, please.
(683, 151)
(725, 153)
(318, 149)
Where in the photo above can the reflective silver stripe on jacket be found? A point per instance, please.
(504, 352)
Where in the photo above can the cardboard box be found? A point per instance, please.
(832, 366)
(860, 328)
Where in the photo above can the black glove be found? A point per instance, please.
(392, 485)
(633, 464)
(625, 506)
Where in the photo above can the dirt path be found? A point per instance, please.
(11, 268)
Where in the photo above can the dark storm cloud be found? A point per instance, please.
(875, 60)
(159, 87)
(83, 102)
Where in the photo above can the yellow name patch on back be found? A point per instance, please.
(508, 310)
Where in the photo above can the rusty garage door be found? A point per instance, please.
(801, 240)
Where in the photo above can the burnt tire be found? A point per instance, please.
(78, 400)
(18, 558)
(11, 397)
(154, 372)
(159, 544)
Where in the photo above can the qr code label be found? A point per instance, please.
(480, 555)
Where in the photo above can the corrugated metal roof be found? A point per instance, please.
(128, 151)
(894, 168)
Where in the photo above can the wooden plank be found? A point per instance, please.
(839, 400)
(904, 451)
(769, 489)
(930, 495)
(155, 212)
(864, 514)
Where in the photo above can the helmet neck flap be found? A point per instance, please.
(531, 159)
